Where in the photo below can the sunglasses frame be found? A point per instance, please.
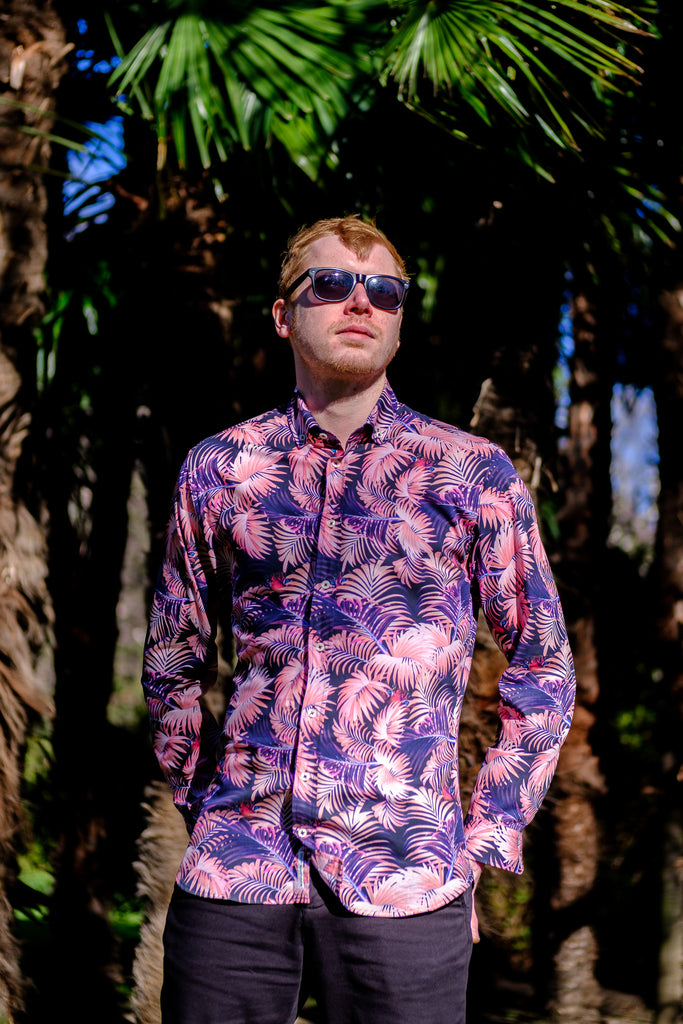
(357, 278)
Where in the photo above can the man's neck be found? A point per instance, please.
(342, 410)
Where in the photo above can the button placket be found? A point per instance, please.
(325, 569)
(331, 521)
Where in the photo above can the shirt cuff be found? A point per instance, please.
(492, 843)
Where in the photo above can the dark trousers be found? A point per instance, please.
(238, 963)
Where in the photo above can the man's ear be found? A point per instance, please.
(281, 318)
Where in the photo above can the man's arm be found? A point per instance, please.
(537, 690)
(179, 662)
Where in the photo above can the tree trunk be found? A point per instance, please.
(516, 408)
(160, 850)
(143, 411)
(576, 995)
(669, 395)
(31, 50)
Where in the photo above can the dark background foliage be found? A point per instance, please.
(157, 332)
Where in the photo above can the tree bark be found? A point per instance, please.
(669, 396)
(31, 50)
(515, 408)
(576, 994)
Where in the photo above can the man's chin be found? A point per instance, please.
(357, 368)
(360, 362)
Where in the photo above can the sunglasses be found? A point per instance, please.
(331, 285)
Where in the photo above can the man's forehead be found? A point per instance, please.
(331, 251)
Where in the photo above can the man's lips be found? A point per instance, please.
(356, 329)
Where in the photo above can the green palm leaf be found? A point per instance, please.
(209, 82)
(516, 58)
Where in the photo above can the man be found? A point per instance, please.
(350, 539)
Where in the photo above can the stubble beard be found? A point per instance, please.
(352, 360)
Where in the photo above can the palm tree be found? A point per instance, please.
(478, 62)
(668, 619)
(584, 481)
(664, 634)
(33, 47)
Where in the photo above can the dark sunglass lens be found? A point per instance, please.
(332, 285)
(385, 292)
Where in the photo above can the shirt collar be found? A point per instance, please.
(381, 419)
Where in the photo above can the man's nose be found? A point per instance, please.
(358, 299)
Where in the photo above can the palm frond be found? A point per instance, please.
(517, 59)
(257, 73)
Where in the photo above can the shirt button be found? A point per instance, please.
(332, 522)
(305, 776)
(320, 646)
(325, 585)
(302, 832)
(311, 712)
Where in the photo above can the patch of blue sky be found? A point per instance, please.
(85, 61)
(634, 464)
(634, 470)
(103, 157)
(102, 160)
(562, 372)
(635, 450)
(101, 201)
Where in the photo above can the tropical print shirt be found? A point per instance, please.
(352, 577)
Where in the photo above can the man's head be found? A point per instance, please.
(343, 325)
(357, 235)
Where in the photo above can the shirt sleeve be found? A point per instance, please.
(537, 690)
(180, 661)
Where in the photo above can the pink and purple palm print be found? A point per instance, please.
(352, 579)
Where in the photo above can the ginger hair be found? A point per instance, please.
(357, 235)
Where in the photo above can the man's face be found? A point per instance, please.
(339, 342)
